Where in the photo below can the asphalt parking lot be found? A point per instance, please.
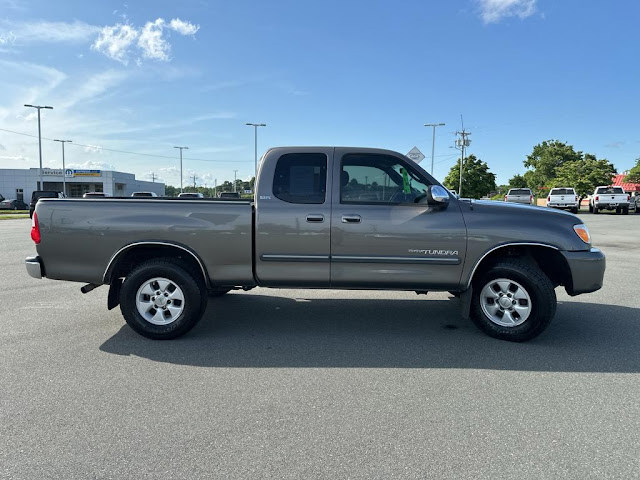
(319, 384)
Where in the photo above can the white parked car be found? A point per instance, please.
(144, 194)
(519, 195)
(565, 198)
(190, 195)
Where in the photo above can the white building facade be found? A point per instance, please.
(19, 183)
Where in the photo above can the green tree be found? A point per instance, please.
(477, 180)
(517, 181)
(584, 174)
(634, 173)
(543, 161)
(170, 191)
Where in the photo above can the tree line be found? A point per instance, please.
(552, 163)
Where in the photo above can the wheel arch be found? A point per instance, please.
(546, 257)
(133, 254)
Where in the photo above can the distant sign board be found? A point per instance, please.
(415, 155)
(87, 173)
(52, 171)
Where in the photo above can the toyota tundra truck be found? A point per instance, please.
(322, 217)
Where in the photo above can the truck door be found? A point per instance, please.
(293, 215)
(381, 236)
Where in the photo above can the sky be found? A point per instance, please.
(130, 81)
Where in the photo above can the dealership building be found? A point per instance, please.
(19, 183)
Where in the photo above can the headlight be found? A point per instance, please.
(582, 231)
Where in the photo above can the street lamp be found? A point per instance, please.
(255, 130)
(64, 173)
(181, 148)
(235, 180)
(433, 140)
(39, 107)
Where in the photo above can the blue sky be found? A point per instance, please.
(145, 76)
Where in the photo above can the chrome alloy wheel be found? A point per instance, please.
(505, 302)
(160, 301)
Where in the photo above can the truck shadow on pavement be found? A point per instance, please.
(256, 331)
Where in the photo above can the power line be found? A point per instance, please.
(123, 151)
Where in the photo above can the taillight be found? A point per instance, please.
(531, 198)
(35, 229)
(597, 198)
(576, 198)
(549, 198)
(628, 197)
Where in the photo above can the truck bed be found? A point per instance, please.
(81, 236)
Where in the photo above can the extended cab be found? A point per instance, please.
(609, 198)
(323, 217)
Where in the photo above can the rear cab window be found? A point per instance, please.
(610, 190)
(562, 191)
(519, 191)
(301, 178)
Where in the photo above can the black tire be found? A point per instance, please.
(574, 210)
(542, 306)
(192, 306)
(625, 211)
(618, 211)
(218, 292)
(590, 209)
(595, 210)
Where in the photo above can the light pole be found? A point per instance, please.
(39, 107)
(235, 180)
(181, 148)
(433, 140)
(64, 173)
(255, 143)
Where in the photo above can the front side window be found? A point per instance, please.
(301, 178)
(383, 179)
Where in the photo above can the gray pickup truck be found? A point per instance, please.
(323, 217)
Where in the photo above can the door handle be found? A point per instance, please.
(315, 218)
(351, 219)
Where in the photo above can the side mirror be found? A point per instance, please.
(437, 196)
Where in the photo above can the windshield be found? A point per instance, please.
(610, 190)
(519, 191)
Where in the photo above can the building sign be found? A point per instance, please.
(87, 173)
(52, 171)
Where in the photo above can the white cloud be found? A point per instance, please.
(93, 149)
(492, 11)
(151, 42)
(114, 42)
(182, 27)
(47, 32)
(91, 165)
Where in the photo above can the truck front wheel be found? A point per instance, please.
(161, 299)
(513, 301)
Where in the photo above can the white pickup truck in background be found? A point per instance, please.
(609, 198)
(565, 198)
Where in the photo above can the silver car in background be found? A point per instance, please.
(520, 195)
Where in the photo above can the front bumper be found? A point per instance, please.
(587, 271)
(34, 267)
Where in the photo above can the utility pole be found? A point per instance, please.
(181, 148)
(64, 172)
(461, 143)
(194, 180)
(235, 180)
(255, 143)
(153, 177)
(433, 140)
(215, 187)
(39, 107)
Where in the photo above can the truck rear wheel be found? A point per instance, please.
(514, 301)
(161, 299)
